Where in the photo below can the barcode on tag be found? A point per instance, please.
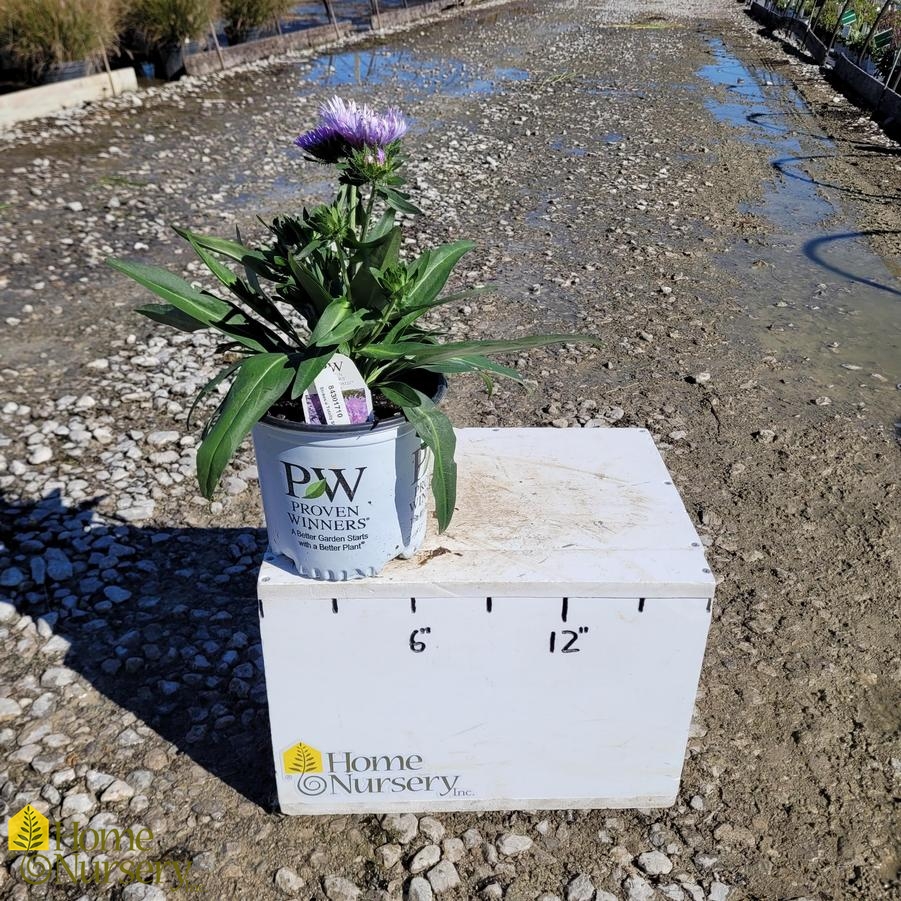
(328, 388)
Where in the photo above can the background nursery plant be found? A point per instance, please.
(331, 280)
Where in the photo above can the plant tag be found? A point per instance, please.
(339, 395)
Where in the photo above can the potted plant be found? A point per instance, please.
(55, 41)
(246, 20)
(169, 26)
(333, 366)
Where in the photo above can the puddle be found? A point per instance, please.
(566, 148)
(403, 68)
(413, 74)
(816, 294)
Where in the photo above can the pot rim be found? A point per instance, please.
(352, 428)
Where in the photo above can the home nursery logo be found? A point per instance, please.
(61, 857)
(29, 830)
(343, 773)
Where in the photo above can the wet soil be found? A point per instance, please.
(661, 176)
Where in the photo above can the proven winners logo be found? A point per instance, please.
(344, 773)
(82, 856)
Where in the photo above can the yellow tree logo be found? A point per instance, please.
(29, 830)
(301, 759)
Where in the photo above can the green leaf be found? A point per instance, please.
(221, 271)
(315, 291)
(399, 201)
(346, 329)
(255, 298)
(336, 311)
(473, 363)
(405, 321)
(261, 380)
(423, 353)
(210, 385)
(432, 271)
(315, 489)
(383, 226)
(436, 432)
(251, 276)
(365, 290)
(307, 368)
(401, 392)
(205, 308)
(257, 260)
(171, 316)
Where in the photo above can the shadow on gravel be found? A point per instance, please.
(161, 621)
(814, 251)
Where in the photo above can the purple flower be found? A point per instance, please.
(357, 409)
(324, 143)
(345, 126)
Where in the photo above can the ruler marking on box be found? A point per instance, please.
(412, 605)
(488, 603)
(641, 605)
(565, 610)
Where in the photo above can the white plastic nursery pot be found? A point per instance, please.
(377, 481)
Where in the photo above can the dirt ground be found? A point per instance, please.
(615, 164)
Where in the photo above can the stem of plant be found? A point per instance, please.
(370, 205)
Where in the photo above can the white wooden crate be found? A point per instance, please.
(543, 653)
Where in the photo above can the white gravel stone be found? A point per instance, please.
(119, 790)
(425, 858)
(655, 863)
(97, 781)
(472, 838)
(158, 439)
(431, 829)
(57, 677)
(56, 644)
(337, 888)
(140, 891)
(287, 881)
(78, 803)
(453, 849)
(402, 827)
(40, 454)
(443, 877)
(580, 889)
(388, 855)
(605, 896)
(420, 890)
(59, 566)
(511, 844)
(7, 611)
(638, 889)
(719, 891)
(9, 708)
(135, 512)
(12, 577)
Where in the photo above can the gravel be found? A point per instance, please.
(581, 888)
(604, 196)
